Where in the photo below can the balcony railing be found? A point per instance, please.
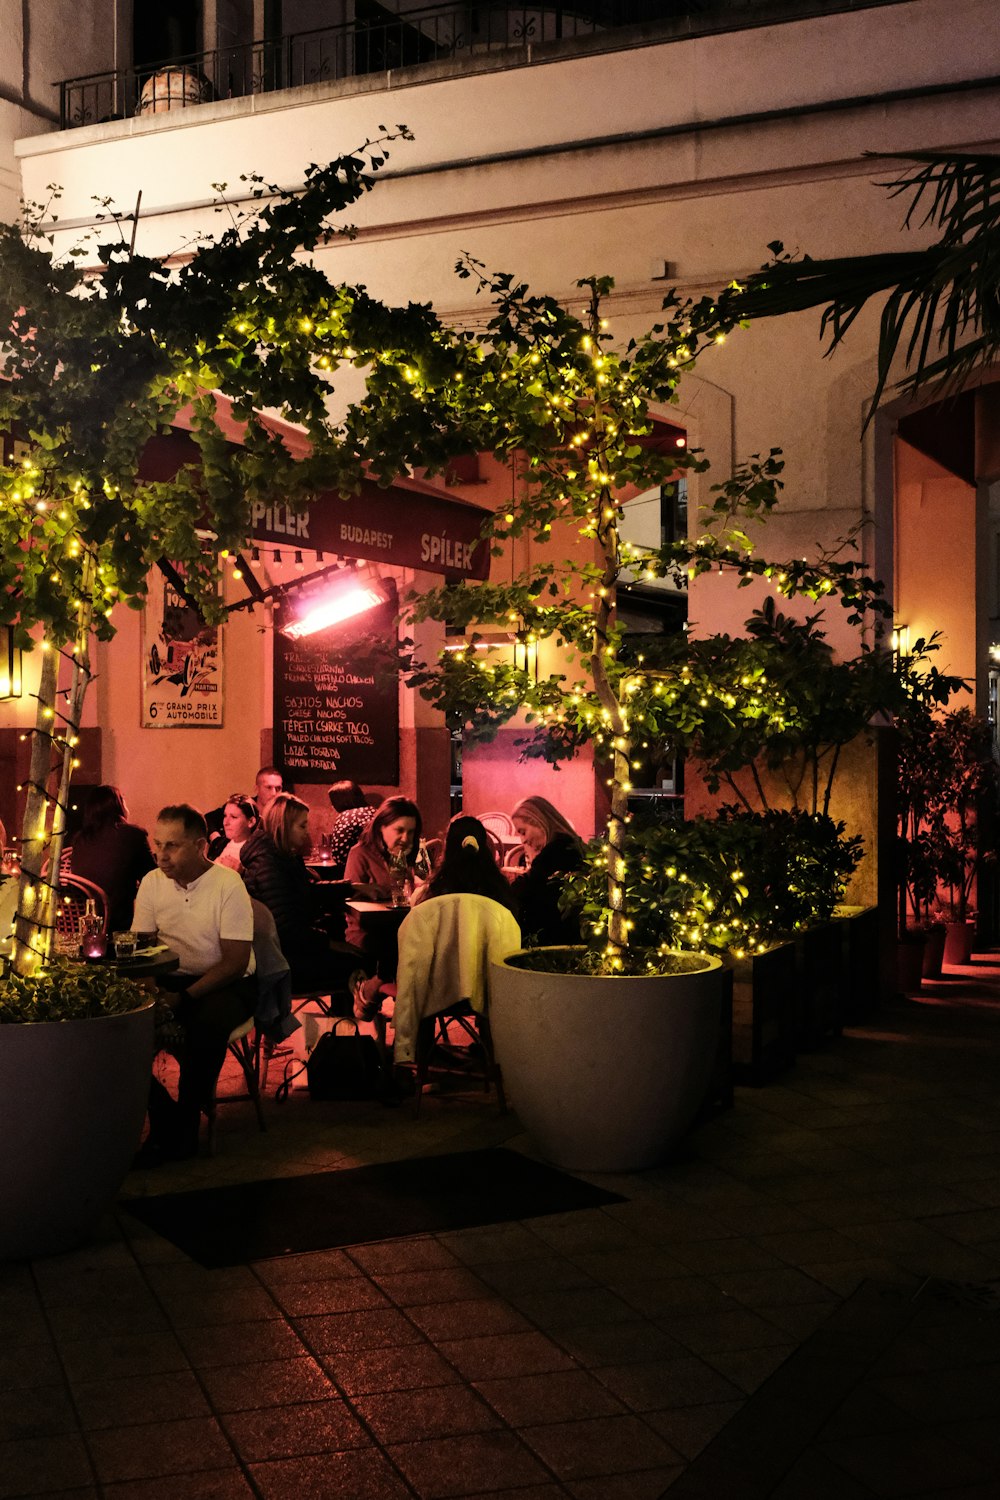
(387, 43)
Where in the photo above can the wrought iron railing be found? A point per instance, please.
(385, 43)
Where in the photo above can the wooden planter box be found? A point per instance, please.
(819, 954)
(859, 933)
(764, 1014)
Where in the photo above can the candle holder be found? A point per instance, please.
(94, 946)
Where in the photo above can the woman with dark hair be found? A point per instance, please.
(273, 868)
(387, 853)
(467, 866)
(239, 819)
(354, 813)
(112, 852)
(552, 848)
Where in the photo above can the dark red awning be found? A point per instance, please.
(411, 524)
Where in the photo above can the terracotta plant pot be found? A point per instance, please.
(957, 942)
(909, 963)
(934, 943)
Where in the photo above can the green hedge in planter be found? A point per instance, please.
(66, 991)
(735, 883)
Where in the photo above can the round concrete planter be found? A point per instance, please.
(72, 1100)
(606, 1074)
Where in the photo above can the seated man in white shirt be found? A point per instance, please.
(202, 911)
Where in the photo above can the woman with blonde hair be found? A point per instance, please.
(552, 849)
(273, 868)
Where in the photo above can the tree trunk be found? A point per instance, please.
(53, 757)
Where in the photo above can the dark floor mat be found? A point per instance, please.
(229, 1226)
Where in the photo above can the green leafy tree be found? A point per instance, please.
(102, 349)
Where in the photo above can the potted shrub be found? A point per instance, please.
(928, 782)
(588, 1036)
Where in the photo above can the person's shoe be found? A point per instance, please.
(366, 994)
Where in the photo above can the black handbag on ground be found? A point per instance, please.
(344, 1067)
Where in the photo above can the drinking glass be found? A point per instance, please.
(125, 945)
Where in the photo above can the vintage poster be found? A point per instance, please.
(181, 663)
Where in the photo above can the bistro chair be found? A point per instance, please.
(71, 899)
(498, 823)
(246, 1050)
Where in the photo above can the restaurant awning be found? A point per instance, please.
(411, 524)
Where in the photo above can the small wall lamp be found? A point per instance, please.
(10, 664)
(900, 643)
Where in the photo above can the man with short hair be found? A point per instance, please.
(202, 911)
(268, 784)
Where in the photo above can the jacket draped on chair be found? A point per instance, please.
(446, 946)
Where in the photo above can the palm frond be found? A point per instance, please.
(942, 309)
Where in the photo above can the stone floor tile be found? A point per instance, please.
(431, 1412)
(276, 1382)
(553, 1397)
(500, 1244)
(319, 1265)
(506, 1354)
(599, 1446)
(414, 1288)
(214, 1484)
(678, 1294)
(360, 1474)
(801, 1320)
(837, 1212)
(749, 1368)
(658, 1384)
(649, 1484)
(35, 1411)
(844, 1277)
(813, 1477)
(332, 1333)
(547, 1273)
(404, 1368)
(24, 1321)
(123, 1355)
(73, 1322)
(235, 1344)
(970, 1227)
(299, 1299)
(125, 1401)
(711, 1333)
(154, 1449)
(39, 1465)
(294, 1431)
(809, 1246)
(771, 1288)
(595, 1344)
(906, 1463)
(574, 1305)
(402, 1255)
(476, 1318)
(734, 1254)
(454, 1466)
(214, 1308)
(551, 1491)
(688, 1428)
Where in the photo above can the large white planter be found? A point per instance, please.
(606, 1074)
(72, 1100)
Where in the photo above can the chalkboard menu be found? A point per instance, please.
(335, 720)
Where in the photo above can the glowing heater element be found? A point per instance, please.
(332, 608)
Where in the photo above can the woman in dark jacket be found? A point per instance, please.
(112, 852)
(274, 872)
(553, 849)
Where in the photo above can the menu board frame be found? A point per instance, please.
(334, 720)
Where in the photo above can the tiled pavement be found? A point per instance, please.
(611, 1354)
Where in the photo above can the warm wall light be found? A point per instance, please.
(336, 600)
(900, 643)
(10, 664)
